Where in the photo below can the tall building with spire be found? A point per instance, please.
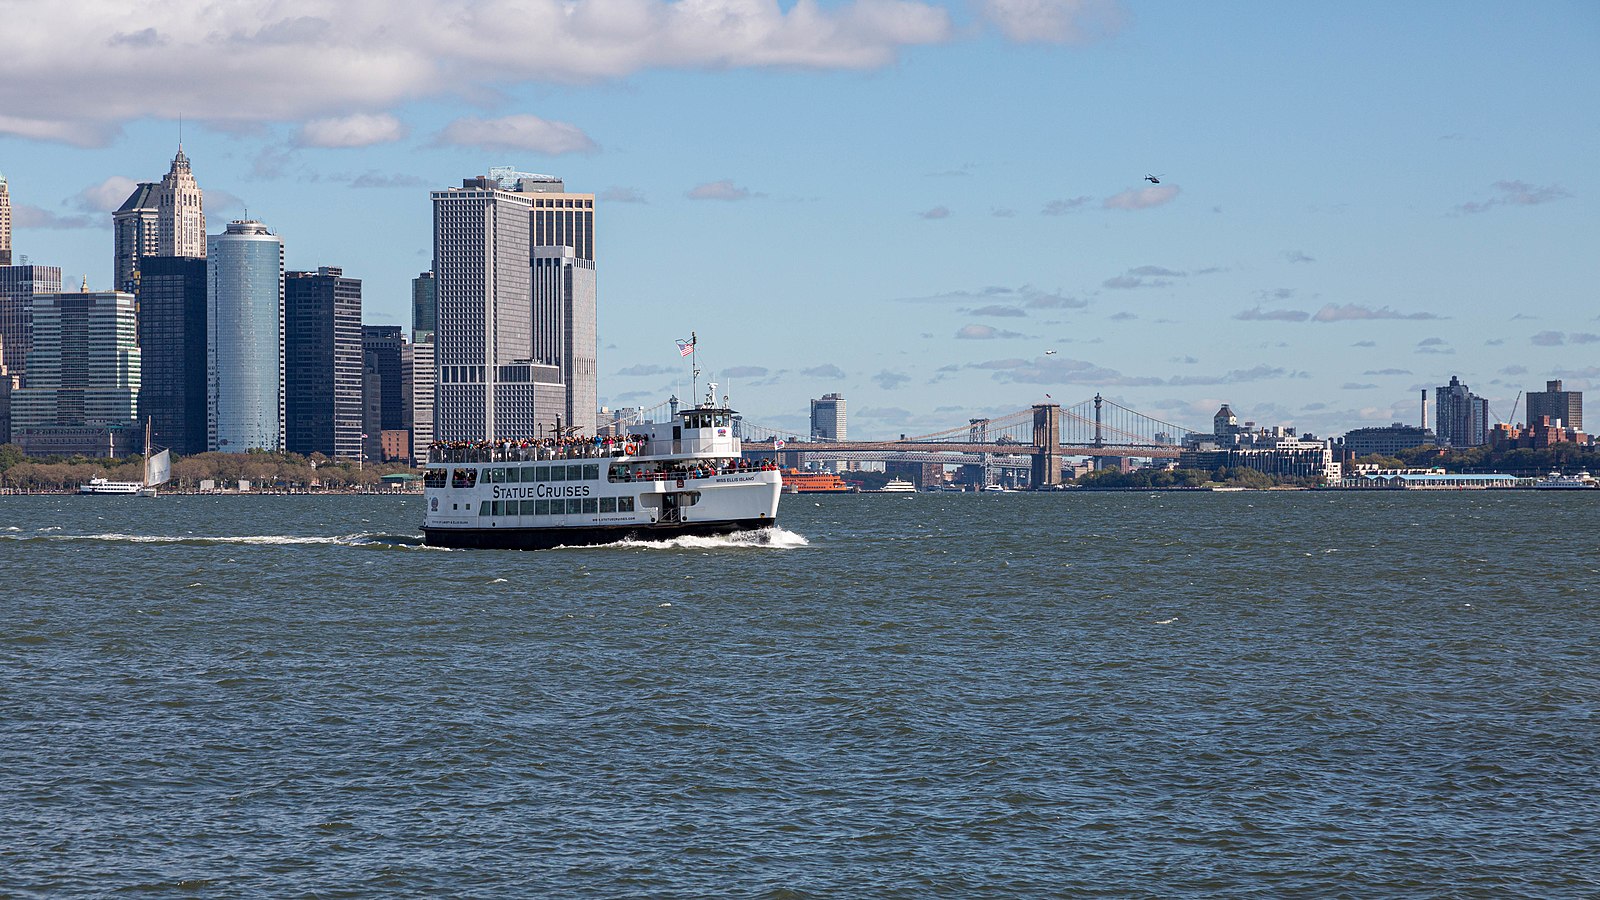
(182, 223)
(5, 222)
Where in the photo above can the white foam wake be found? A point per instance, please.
(761, 539)
(351, 540)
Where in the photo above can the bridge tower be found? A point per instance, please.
(1046, 445)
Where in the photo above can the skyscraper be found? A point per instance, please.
(382, 349)
(181, 226)
(18, 286)
(1563, 406)
(1463, 417)
(244, 346)
(564, 326)
(5, 221)
(136, 232)
(82, 390)
(172, 338)
(489, 385)
(827, 418)
(322, 363)
(424, 307)
(419, 365)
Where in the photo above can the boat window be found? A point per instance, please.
(483, 508)
(541, 507)
(575, 472)
(558, 473)
(464, 478)
(624, 504)
(688, 498)
(589, 505)
(574, 506)
(591, 472)
(608, 504)
(528, 508)
(435, 478)
(513, 474)
(542, 473)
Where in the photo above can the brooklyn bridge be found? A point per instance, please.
(1044, 434)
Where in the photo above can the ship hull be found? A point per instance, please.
(580, 535)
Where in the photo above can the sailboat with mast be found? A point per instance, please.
(157, 471)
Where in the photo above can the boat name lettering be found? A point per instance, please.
(540, 491)
(735, 479)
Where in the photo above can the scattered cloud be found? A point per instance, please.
(1157, 272)
(1062, 207)
(1235, 376)
(1549, 339)
(516, 132)
(1516, 193)
(1365, 344)
(938, 212)
(1055, 21)
(826, 370)
(1123, 316)
(106, 196)
(1583, 338)
(359, 130)
(1001, 212)
(24, 216)
(1387, 372)
(1494, 342)
(984, 333)
(1061, 370)
(890, 380)
(1142, 198)
(1434, 345)
(1520, 317)
(1185, 360)
(644, 370)
(1514, 370)
(744, 372)
(1297, 256)
(719, 190)
(375, 180)
(997, 310)
(1350, 312)
(1272, 315)
(963, 172)
(1027, 296)
(622, 195)
(1355, 386)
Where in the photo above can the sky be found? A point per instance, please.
(907, 202)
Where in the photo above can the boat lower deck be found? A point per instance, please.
(581, 535)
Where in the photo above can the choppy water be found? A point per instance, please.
(1285, 694)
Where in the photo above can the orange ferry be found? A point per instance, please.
(798, 482)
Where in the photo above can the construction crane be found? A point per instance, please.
(1513, 419)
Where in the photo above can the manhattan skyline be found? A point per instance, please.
(905, 203)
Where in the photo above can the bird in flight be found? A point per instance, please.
(1153, 179)
(1049, 353)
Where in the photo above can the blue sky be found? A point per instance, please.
(904, 202)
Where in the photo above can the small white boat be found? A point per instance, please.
(1556, 481)
(897, 486)
(157, 470)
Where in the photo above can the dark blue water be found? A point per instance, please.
(1255, 694)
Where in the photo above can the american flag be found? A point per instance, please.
(685, 348)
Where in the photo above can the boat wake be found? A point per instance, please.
(365, 540)
(760, 539)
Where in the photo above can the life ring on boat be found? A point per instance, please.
(631, 450)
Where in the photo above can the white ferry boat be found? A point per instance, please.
(157, 471)
(897, 486)
(684, 477)
(1556, 481)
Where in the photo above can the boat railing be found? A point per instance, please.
(534, 451)
(654, 472)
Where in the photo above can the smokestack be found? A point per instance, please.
(1424, 409)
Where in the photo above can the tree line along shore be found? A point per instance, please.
(265, 470)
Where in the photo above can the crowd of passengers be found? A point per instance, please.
(659, 472)
(533, 449)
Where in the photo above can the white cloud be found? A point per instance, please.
(359, 130)
(307, 59)
(1353, 312)
(938, 212)
(1055, 21)
(984, 333)
(106, 196)
(517, 132)
(1142, 198)
(718, 190)
(24, 216)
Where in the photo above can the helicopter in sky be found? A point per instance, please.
(1153, 179)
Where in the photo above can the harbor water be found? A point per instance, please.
(1126, 694)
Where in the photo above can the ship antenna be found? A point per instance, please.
(694, 384)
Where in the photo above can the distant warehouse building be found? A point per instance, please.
(1386, 441)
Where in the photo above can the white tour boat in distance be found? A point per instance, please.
(897, 486)
(1556, 481)
(157, 471)
(669, 479)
